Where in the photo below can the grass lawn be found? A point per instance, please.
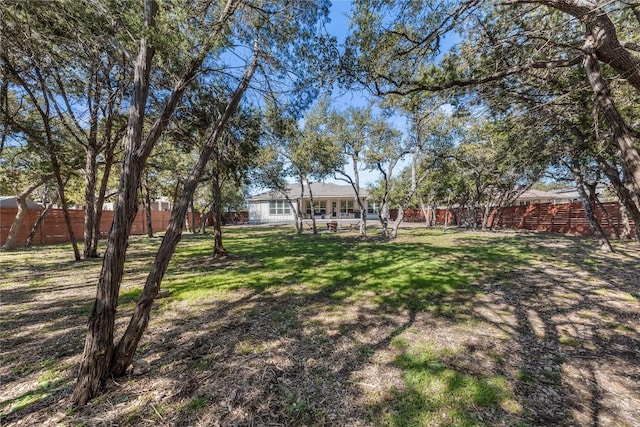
(436, 328)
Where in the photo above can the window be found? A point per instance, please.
(347, 206)
(279, 207)
(320, 207)
(372, 207)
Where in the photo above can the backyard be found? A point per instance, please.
(438, 327)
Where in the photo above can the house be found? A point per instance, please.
(331, 201)
(563, 195)
(10, 202)
(160, 203)
(534, 197)
(570, 194)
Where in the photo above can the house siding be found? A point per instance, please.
(259, 213)
(332, 202)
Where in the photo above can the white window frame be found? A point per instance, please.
(279, 207)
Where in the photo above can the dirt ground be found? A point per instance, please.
(567, 338)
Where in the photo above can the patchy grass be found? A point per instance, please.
(438, 327)
(437, 392)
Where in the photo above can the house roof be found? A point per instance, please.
(10, 202)
(537, 194)
(321, 190)
(571, 193)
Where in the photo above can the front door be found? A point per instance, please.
(334, 209)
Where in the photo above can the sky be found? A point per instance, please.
(339, 27)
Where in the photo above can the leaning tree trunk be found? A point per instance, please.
(589, 212)
(124, 351)
(595, 202)
(98, 352)
(98, 346)
(623, 193)
(624, 221)
(603, 240)
(12, 237)
(630, 158)
(427, 216)
(21, 201)
(41, 218)
(104, 182)
(67, 217)
(397, 222)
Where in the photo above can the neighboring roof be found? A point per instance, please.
(320, 190)
(571, 193)
(537, 194)
(10, 202)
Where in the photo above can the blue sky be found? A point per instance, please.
(339, 24)
(339, 27)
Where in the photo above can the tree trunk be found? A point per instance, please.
(12, 237)
(41, 218)
(425, 213)
(446, 214)
(194, 226)
(104, 182)
(65, 211)
(603, 240)
(298, 213)
(219, 250)
(207, 212)
(629, 155)
(356, 188)
(89, 250)
(623, 193)
(124, 351)
(397, 222)
(383, 214)
(98, 350)
(624, 219)
(21, 201)
(485, 216)
(595, 202)
(384, 210)
(147, 207)
(606, 46)
(98, 347)
(313, 209)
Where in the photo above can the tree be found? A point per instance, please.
(385, 150)
(21, 174)
(75, 88)
(231, 159)
(99, 356)
(499, 42)
(352, 133)
(304, 152)
(271, 33)
(313, 156)
(431, 134)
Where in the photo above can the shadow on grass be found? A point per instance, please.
(277, 333)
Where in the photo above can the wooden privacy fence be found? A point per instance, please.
(53, 228)
(565, 218)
